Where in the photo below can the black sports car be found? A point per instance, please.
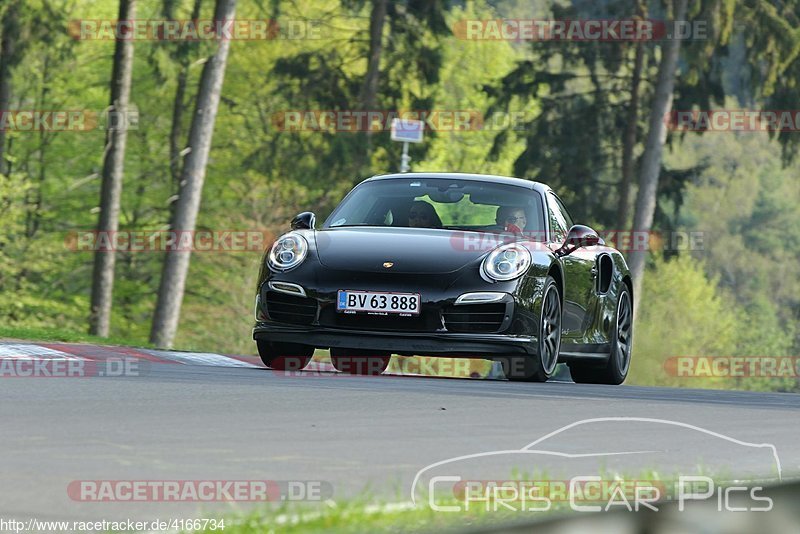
(456, 265)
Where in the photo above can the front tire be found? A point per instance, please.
(284, 356)
(619, 360)
(360, 362)
(541, 367)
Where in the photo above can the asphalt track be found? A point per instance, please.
(213, 418)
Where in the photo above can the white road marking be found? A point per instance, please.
(26, 351)
(200, 358)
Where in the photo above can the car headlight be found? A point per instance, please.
(288, 252)
(506, 262)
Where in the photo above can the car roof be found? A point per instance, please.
(519, 182)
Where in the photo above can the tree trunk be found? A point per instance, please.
(629, 135)
(651, 159)
(368, 96)
(176, 263)
(369, 89)
(178, 107)
(175, 145)
(10, 34)
(34, 195)
(113, 166)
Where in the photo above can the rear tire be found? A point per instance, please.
(359, 361)
(616, 369)
(540, 367)
(284, 356)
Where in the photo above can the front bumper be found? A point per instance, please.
(403, 343)
(444, 327)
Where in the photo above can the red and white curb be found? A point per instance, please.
(22, 351)
(201, 358)
(100, 353)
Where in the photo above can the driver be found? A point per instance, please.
(511, 219)
(423, 215)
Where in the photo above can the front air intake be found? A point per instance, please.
(283, 308)
(485, 318)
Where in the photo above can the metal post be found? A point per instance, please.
(404, 167)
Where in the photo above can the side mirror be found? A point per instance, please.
(304, 221)
(577, 237)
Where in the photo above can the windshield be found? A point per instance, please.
(440, 203)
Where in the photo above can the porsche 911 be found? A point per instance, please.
(442, 264)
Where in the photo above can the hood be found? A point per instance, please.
(411, 250)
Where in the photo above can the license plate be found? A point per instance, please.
(378, 302)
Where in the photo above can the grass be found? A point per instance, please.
(364, 514)
(28, 333)
(359, 515)
(49, 334)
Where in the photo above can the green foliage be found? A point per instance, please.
(684, 314)
(681, 314)
(467, 66)
(573, 138)
(747, 207)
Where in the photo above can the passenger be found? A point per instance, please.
(423, 215)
